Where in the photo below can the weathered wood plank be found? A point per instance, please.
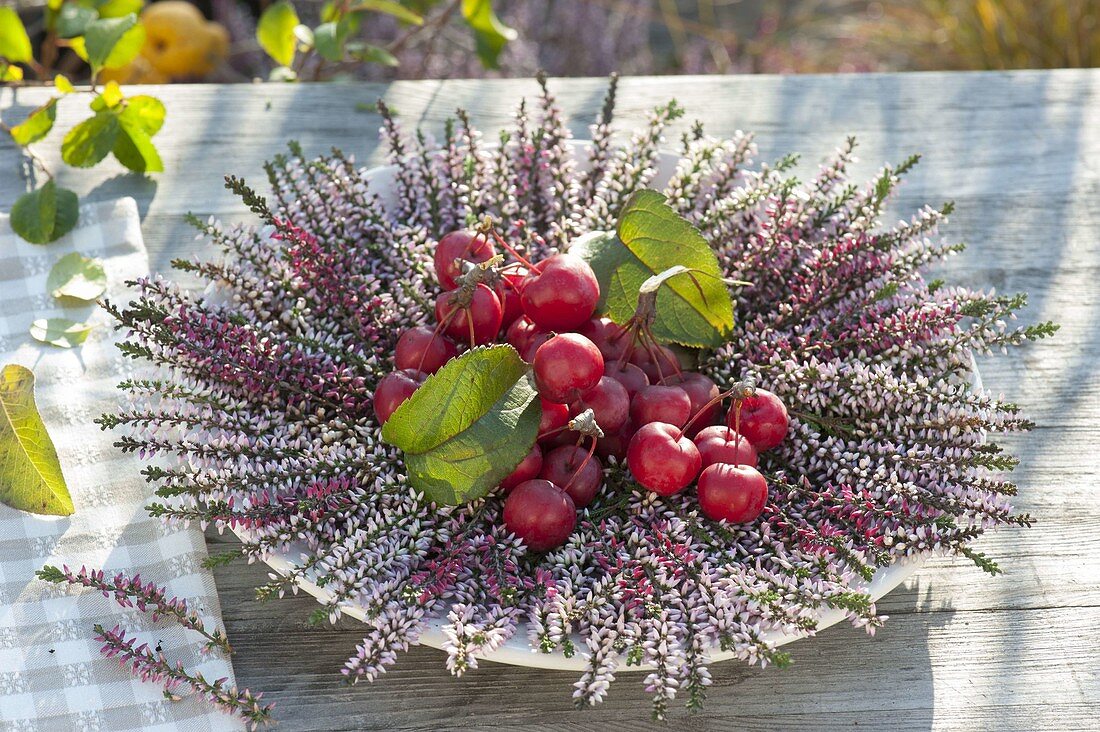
(1016, 151)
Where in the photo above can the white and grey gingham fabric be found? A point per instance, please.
(52, 676)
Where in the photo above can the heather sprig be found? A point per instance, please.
(153, 667)
(145, 596)
(264, 418)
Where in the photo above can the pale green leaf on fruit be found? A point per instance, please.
(30, 473)
(37, 124)
(468, 425)
(693, 305)
(15, 44)
(275, 32)
(388, 7)
(60, 332)
(63, 85)
(78, 277)
(73, 20)
(44, 214)
(110, 43)
(89, 142)
(490, 33)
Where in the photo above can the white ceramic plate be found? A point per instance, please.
(517, 650)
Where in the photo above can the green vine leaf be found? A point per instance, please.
(329, 39)
(372, 54)
(110, 43)
(73, 20)
(63, 85)
(89, 142)
(15, 44)
(37, 124)
(60, 332)
(275, 32)
(117, 8)
(388, 7)
(30, 473)
(490, 33)
(78, 277)
(468, 425)
(693, 305)
(45, 214)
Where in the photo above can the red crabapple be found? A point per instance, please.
(563, 467)
(657, 403)
(455, 248)
(662, 459)
(475, 323)
(567, 366)
(609, 402)
(423, 349)
(763, 420)
(720, 444)
(736, 493)
(561, 293)
(527, 469)
(540, 513)
(393, 389)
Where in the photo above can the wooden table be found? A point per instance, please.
(1019, 153)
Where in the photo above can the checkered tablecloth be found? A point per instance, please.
(52, 676)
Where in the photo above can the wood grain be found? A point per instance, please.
(1019, 154)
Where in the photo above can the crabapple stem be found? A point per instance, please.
(737, 391)
(587, 459)
(487, 226)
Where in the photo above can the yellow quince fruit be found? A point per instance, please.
(180, 42)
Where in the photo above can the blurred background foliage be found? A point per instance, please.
(242, 40)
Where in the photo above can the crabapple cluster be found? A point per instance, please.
(666, 455)
(606, 390)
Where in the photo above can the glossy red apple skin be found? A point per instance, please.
(763, 420)
(662, 459)
(540, 513)
(720, 444)
(734, 493)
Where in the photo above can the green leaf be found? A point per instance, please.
(467, 426)
(490, 33)
(144, 111)
(652, 239)
(78, 277)
(45, 214)
(73, 20)
(329, 39)
(91, 140)
(389, 8)
(135, 149)
(60, 332)
(37, 125)
(275, 32)
(30, 473)
(9, 72)
(117, 8)
(372, 54)
(109, 98)
(110, 43)
(63, 85)
(15, 44)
